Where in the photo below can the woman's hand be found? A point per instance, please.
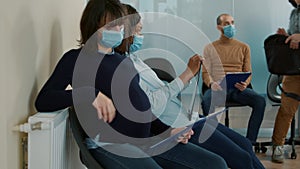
(194, 64)
(185, 137)
(105, 108)
(192, 69)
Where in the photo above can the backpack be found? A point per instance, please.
(281, 59)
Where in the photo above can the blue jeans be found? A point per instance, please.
(234, 148)
(190, 156)
(182, 156)
(247, 97)
(112, 161)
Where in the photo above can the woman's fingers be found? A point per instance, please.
(105, 108)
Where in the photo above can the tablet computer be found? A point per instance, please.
(232, 78)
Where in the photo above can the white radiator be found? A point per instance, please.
(50, 142)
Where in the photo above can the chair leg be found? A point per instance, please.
(292, 129)
(227, 117)
(292, 139)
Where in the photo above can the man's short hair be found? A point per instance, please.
(219, 18)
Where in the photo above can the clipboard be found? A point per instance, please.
(173, 139)
(232, 78)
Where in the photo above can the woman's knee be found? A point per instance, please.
(219, 163)
(244, 161)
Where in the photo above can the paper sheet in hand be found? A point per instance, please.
(234, 77)
(174, 138)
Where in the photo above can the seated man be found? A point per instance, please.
(230, 55)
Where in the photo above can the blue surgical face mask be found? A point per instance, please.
(137, 43)
(111, 38)
(229, 31)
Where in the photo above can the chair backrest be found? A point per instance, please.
(79, 134)
(273, 92)
(164, 76)
(162, 67)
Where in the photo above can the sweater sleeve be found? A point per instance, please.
(118, 79)
(207, 65)
(53, 95)
(159, 97)
(247, 63)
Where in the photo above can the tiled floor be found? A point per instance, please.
(238, 121)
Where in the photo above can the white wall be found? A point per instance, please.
(255, 21)
(34, 34)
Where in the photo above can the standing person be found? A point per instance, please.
(166, 106)
(230, 55)
(100, 33)
(290, 84)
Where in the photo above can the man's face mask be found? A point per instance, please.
(137, 43)
(111, 38)
(229, 31)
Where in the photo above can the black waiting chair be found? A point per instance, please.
(228, 104)
(79, 134)
(162, 67)
(274, 95)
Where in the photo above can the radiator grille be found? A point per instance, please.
(47, 148)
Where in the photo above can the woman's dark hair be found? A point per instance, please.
(132, 19)
(95, 16)
(293, 3)
(135, 17)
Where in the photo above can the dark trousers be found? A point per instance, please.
(234, 148)
(247, 97)
(182, 156)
